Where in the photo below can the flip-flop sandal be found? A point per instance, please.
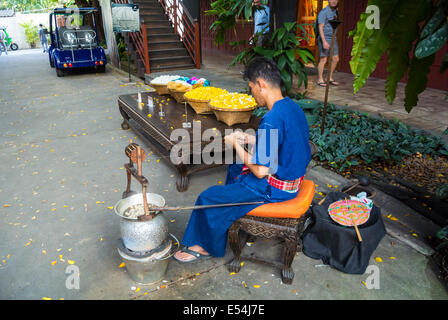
(196, 256)
(335, 83)
(321, 84)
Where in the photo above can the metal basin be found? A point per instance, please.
(142, 235)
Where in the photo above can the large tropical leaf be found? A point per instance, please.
(405, 31)
(376, 44)
(361, 34)
(432, 43)
(436, 20)
(417, 80)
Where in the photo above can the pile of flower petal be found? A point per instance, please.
(204, 93)
(163, 80)
(233, 100)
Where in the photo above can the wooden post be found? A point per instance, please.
(197, 54)
(175, 15)
(145, 48)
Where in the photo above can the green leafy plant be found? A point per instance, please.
(227, 12)
(283, 47)
(352, 137)
(31, 34)
(402, 23)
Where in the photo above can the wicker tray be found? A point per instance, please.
(160, 88)
(232, 116)
(177, 95)
(200, 106)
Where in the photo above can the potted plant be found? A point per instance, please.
(31, 33)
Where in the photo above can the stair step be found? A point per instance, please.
(160, 30)
(162, 37)
(152, 12)
(162, 45)
(174, 52)
(149, 4)
(151, 24)
(170, 61)
(173, 67)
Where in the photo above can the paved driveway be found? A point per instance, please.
(62, 155)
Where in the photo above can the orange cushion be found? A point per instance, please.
(293, 208)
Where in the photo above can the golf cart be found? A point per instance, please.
(74, 42)
(8, 41)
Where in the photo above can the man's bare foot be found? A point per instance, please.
(186, 257)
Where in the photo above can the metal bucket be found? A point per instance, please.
(150, 268)
(142, 235)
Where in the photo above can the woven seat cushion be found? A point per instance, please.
(293, 208)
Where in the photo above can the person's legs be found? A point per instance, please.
(206, 232)
(3, 47)
(320, 70)
(334, 63)
(321, 65)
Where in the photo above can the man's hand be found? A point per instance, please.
(244, 138)
(326, 45)
(229, 140)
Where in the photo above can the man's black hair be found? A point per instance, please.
(265, 69)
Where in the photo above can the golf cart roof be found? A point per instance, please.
(74, 10)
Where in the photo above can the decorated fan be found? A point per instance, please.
(349, 213)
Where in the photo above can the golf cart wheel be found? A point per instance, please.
(51, 63)
(101, 69)
(60, 72)
(14, 46)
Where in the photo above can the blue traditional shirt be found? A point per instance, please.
(282, 141)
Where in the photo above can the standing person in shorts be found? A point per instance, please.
(3, 42)
(325, 35)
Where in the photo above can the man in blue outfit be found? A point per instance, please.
(261, 23)
(324, 42)
(272, 172)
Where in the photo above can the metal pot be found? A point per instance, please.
(150, 267)
(142, 235)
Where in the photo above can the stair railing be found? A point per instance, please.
(185, 26)
(140, 41)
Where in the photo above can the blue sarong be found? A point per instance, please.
(208, 227)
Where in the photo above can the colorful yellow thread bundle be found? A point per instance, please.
(179, 85)
(233, 100)
(204, 93)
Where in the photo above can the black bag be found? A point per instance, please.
(338, 245)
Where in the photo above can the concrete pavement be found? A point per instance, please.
(62, 150)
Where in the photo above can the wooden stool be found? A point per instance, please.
(284, 220)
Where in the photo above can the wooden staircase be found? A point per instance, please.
(169, 32)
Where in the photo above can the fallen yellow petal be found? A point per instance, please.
(256, 286)
(378, 259)
(71, 262)
(122, 265)
(54, 262)
(46, 298)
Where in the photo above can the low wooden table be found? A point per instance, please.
(155, 131)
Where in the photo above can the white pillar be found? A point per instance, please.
(109, 33)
